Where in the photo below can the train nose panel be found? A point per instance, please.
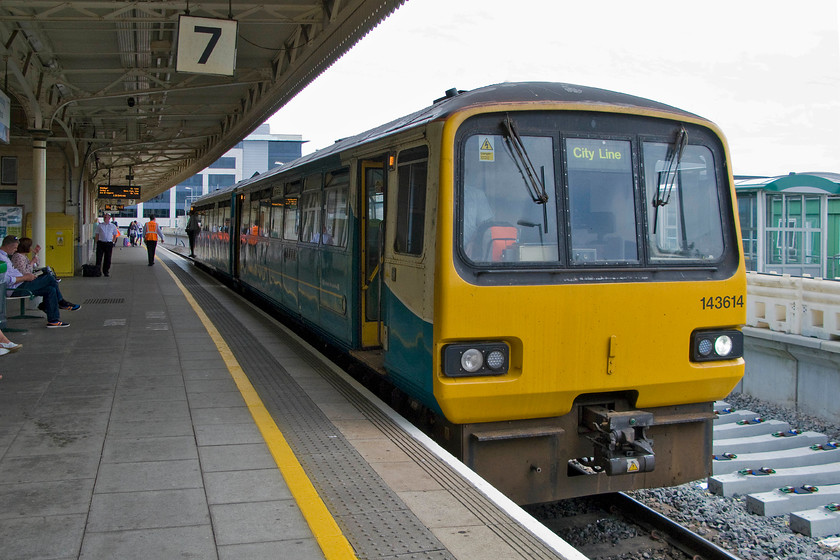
(620, 439)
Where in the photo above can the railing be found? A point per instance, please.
(794, 305)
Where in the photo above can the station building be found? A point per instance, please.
(257, 153)
(791, 224)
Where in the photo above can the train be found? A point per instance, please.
(552, 273)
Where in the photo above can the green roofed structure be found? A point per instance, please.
(791, 224)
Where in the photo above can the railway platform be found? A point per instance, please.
(173, 419)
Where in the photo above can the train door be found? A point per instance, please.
(235, 232)
(372, 243)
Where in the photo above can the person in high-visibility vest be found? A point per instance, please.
(151, 236)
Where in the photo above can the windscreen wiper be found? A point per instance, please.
(668, 176)
(533, 183)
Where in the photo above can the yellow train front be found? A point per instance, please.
(589, 289)
(553, 271)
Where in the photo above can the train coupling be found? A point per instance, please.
(620, 440)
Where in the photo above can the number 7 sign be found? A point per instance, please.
(206, 45)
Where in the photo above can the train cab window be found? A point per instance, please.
(507, 214)
(602, 214)
(310, 202)
(411, 200)
(684, 216)
(291, 215)
(336, 189)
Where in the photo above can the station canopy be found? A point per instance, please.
(816, 182)
(109, 79)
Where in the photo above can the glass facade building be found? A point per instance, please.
(791, 224)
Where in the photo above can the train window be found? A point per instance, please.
(291, 218)
(291, 214)
(503, 215)
(336, 189)
(277, 207)
(254, 224)
(310, 202)
(602, 216)
(684, 216)
(411, 200)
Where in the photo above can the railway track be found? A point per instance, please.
(616, 526)
(782, 470)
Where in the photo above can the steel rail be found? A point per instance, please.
(686, 540)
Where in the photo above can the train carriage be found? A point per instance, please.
(552, 271)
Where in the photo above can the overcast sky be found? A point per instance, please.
(767, 72)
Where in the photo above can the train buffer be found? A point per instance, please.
(745, 483)
(749, 428)
(818, 522)
(767, 442)
(787, 499)
(786, 458)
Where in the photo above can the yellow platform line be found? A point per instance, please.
(332, 541)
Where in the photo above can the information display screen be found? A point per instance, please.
(119, 191)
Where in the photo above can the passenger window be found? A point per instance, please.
(602, 211)
(259, 216)
(411, 200)
(336, 188)
(277, 213)
(311, 210)
(291, 215)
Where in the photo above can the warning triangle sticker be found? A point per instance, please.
(486, 145)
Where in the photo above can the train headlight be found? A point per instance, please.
(707, 346)
(472, 360)
(478, 358)
(723, 345)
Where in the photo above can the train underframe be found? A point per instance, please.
(598, 447)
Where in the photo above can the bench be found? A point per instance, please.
(23, 299)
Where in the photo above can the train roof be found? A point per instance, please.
(457, 100)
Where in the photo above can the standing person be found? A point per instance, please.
(133, 233)
(151, 235)
(192, 231)
(45, 286)
(106, 234)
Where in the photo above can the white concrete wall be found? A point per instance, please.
(794, 371)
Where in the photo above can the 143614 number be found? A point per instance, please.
(722, 302)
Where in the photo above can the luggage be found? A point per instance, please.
(125, 241)
(90, 270)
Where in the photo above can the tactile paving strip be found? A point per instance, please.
(376, 522)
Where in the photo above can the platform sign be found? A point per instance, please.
(206, 45)
(11, 221)
(118, 191)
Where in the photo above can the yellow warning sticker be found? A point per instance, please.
(486, 150)
(632, 465)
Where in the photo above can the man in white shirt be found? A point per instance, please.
(45, 286)
(106, 234)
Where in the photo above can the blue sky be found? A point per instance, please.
(767, 72)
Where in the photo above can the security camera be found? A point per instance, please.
(131, 101)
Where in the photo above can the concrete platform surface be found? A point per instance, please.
(126, 436)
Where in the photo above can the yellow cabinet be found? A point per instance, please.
(61, 233)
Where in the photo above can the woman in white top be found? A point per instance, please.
(21, 261)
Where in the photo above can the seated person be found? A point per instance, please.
(46, 286)
(19, 258)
